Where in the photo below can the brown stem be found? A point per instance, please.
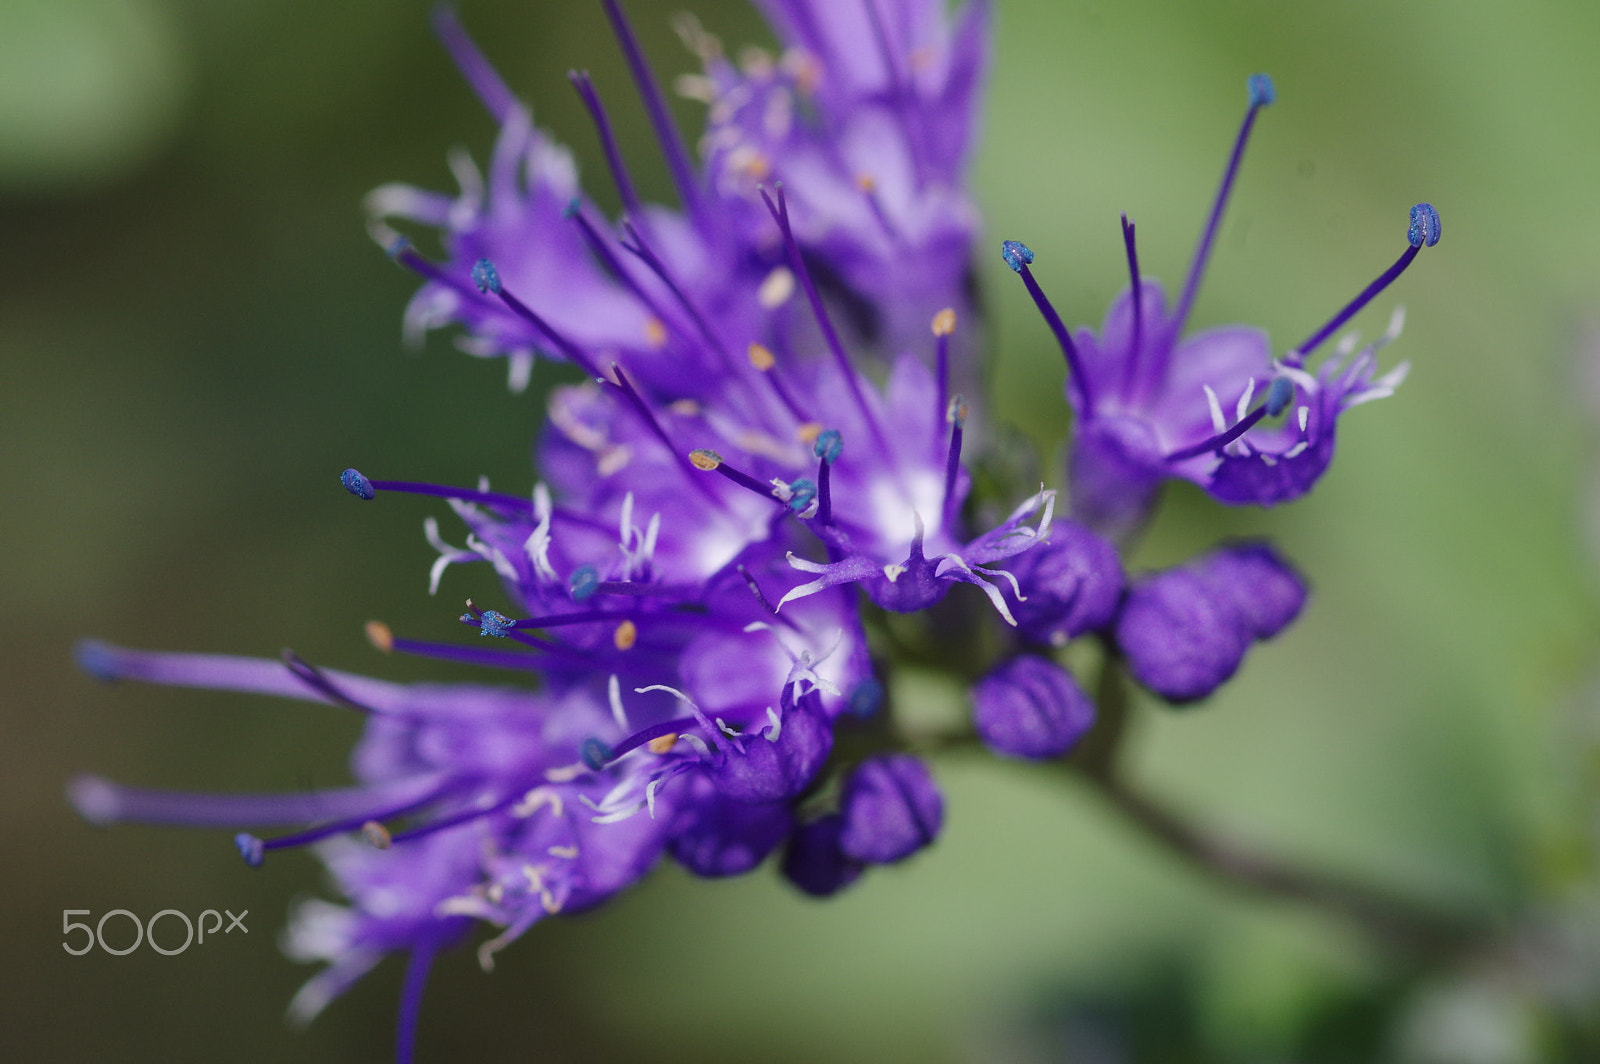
(1416, 930)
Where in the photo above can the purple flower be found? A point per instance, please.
(1214, 408)
(1074, 583)
(1185, 631)
(1031, 708)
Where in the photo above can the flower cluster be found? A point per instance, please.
(767, 453)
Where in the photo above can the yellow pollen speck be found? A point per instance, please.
(704, 459)
(809, 432)
(626, 635)
(957, 412)
(761, 358)
(377, 835)
(866, 183)
(944, 322)
(655, 333)
(379, 635)
(756, 167)
(684, 407)
(662, 743)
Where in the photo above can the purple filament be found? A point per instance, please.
(1367, 295)
(477, 70)
(1191, 284)
(1069, 350)
(619, 171)
(666, 133)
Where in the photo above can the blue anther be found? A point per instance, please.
(866, 697)
(585, 579)
(828, 446)
(804, 491)
(95, 658)
(574, 206)
(1262, 91)
(252, 849)
(357, 485)
(1424, 228)
(596, 754)
(1017, 254)
(1279, 396)
(486, 277)
(495, 623)
(399, 246)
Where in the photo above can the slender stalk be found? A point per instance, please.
(1398, 924)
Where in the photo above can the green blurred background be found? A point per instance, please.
(196, 335)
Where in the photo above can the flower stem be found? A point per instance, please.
(1417, 931)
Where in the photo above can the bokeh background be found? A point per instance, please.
(196, 336)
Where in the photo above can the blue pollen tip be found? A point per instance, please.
(95, 658)
(596, 754)
(1279, 396)
(1424, 227)
(486, 277)
(252, 849)
(804, 491)
(866, 697)
(1262, 91)
(1017, 254)
(397, 247)
(358, 485)
(585, 579)
(828, 446)
(495, 623)
(574, 205)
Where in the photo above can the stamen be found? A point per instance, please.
(802, 493)
(652, 735)
(780, 214)
(667, 133)
(608, 143)
(944, 323)
(358, 485)
(1222, 439)
(710, 461)
(828, 447)
(596, 754)
(376, 835)
(620, 380)
(317, 681)
(1261, 94)
(1422, 231)
(1130, 368)
(614, 266)
(495, 623)
(471, 655)
(639, 248)
(380, 635)
(252, 849)
(487, 278)
(584, 582)
(1279, 396)
(1019, 257)
(957, 416)
(474, 68)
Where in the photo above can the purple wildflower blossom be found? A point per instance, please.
(1152, 404)
(1031, 708)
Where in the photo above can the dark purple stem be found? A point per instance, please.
(405, 1048)
(1368, 294)
(478, 72)
(1222, 439)
(666, 132)
(1191, 284)
(1130, 368)
(574, 354)
(1069, 350)
(608, 143)
(488, 498)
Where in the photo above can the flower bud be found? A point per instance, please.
(814, 862)
(1072, 584)
(1032, 708)
(891, 809)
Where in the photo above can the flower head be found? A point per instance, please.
(1215, 408)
